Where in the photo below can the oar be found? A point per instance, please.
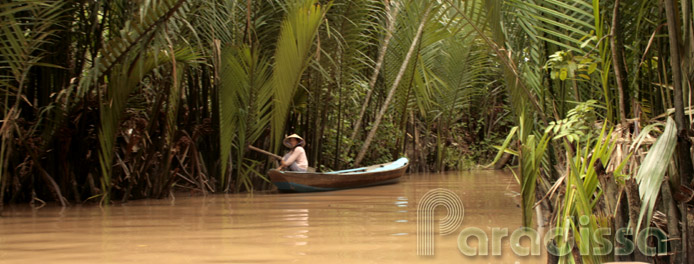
(265, 152)
(309, 169)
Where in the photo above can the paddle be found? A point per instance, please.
(309, 169)
(265, 152)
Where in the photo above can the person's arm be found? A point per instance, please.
(292, 158)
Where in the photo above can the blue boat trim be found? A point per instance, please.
(393, 165)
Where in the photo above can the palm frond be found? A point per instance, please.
(25, 26)
(245, 101)
(123, 82)
(582, 194)
(118, 48)
(291, 59)
(25, 29)
(533, 152)
(652, 171)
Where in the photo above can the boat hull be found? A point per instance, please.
(387, 173)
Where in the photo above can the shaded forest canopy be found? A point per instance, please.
(130, 98)
(588, 100)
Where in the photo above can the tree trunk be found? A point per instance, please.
(336, 162)
(688, 54)
(683, 144)
(634, 205)
(377, 68)
(618, 60)
(338, 82)
(415, 144)
(673, 222)
(317, 114)
(384, 107)
(247, 32)
(403, 117)
(2, 187)
(690, 233)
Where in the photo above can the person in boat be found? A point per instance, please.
(295, 159)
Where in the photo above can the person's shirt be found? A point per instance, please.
(298, 155)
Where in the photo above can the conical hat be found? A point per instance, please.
(286, 140)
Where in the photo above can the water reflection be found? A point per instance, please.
(299, 218)
(370, 225)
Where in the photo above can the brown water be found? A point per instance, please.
(369, 225)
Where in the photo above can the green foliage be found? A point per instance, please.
(582, 193)
(124, 81)
(652, 171)
(566, 38)
(567, 21)
(577, 123)
(565, 65)
(504, 146)
(254, 94)
(531, 155)
(245, 101)
(481, 70)
(25, 29)
(291, 59)
(124, 54)
(152, 15)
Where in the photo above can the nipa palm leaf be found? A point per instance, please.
(652, 171)
(297, 33)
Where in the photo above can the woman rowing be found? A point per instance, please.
(295, 159)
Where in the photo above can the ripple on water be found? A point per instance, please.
(369, 225)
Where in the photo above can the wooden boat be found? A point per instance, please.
(293, 181)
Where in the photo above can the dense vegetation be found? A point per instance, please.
(106, 100)
(130, 98)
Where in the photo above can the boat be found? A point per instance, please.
(294, 181)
